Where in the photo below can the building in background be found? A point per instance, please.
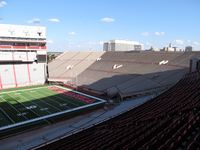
(171, 49)
(188, 48)
(52, 55)
(122, 45)
(23, 55)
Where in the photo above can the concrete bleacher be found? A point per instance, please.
(71, 64)
(138, 70)
(59, 64)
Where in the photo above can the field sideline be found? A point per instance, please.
(27, 105)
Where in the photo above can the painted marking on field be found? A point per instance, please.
(31, 107)
(29, 89)
(64, 104)
(44, 109)
(22, 114)
(38, 93)
(8, 117)
(32, 98)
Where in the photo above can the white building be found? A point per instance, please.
(122, 45)
(23, 54)
(171, 49)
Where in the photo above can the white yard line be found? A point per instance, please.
(56, 108)
(2, 99)
(36, 103)
(8, 117)
(31, 110)
(29, 89)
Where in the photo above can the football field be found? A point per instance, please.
(27, 105)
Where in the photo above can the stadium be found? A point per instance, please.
(95, 100)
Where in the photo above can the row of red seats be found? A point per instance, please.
(169, 121)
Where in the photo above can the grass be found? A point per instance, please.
(24, 104)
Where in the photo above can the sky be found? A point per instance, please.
(85, 24)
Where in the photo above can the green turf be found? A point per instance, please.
(22, 104)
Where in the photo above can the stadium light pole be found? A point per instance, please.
(76, 81)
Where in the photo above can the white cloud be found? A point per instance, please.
(50, 41)
(101, 42)
(91, 43)
(188, 41)
(34, 21)
(95, 43)
(179, 42)
(2, 3)
(145, 33)
(162, 33)
(56, 20)
(83, 45)
(107, 20)
(196, 43)
(159, 33)
(148, 43)
(72, 33)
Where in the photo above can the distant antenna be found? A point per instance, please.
(39, 32)
(26, 32)
(11, 31)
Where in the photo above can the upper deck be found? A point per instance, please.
(20, 37)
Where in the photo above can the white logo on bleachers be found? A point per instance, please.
(69, 67)
(163, 62)
(98, 59)
(117, 66)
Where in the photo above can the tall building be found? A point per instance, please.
(23, 54)
(171, 49)
(122, 45)
(188, 48)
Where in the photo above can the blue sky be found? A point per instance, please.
(85, 24)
